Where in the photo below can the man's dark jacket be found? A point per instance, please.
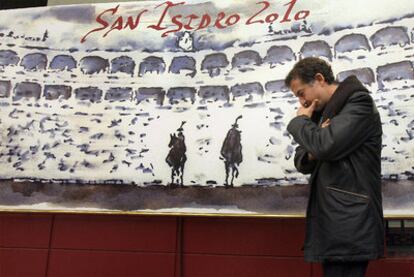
(344, 219)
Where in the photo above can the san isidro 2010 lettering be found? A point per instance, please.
(110, 21)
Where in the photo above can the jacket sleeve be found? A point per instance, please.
(346, 132)
(302, 163)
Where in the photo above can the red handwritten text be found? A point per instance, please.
(193, 22)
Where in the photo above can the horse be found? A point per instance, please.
(231, 151)
(176, 157)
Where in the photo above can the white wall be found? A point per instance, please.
(70, 2)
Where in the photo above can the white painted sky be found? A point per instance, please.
(67, 30)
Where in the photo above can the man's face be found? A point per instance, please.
(307, 93)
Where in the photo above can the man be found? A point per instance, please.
(231, 152)
(338, 129)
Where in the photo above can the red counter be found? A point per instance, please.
(55, 245)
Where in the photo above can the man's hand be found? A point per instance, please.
(307, 111)
(326, 123)
(311, 157)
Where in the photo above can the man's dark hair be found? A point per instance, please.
(307, 68)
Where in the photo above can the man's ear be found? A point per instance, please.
(319, 78)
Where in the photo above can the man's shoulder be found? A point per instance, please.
(360, 96)
(362, 100)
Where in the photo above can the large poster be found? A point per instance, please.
(181, 107)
